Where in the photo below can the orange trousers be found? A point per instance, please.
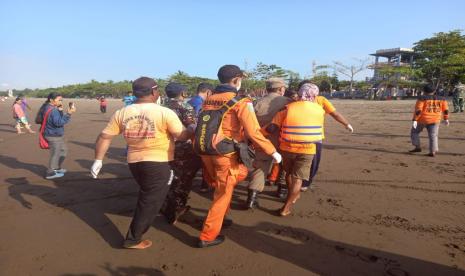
(224, 172)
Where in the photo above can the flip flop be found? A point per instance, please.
(142, 245)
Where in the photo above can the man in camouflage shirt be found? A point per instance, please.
(186, 163)
(458, 99)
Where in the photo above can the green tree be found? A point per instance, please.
(440, 59)
(263, 71)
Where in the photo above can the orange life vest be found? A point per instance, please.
(303, 123)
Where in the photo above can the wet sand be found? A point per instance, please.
(375, 210)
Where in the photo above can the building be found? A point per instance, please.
(394, 57)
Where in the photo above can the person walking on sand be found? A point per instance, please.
(20, 117)
(54, 132)
(103, 104)
(300, 126)
(150, 130)
(428, 111)
(331, 110)
(458, 97)
(265, 109)
(224, 125)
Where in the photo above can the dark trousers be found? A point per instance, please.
(103, 108)
(315, 165)
(185, 165)
(154, 180)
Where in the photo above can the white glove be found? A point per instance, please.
(414, 124)
(446, 122)
(95, 169)
(277, 158)
(350, 128)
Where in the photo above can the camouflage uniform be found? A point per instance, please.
(458, 99)
(185, 165)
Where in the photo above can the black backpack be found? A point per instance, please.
(209, 138)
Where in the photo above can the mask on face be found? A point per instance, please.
(158, 101)
(239, 86)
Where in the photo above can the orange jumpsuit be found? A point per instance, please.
(225, 171)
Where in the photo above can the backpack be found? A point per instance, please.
(209, 137)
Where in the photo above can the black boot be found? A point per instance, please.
(252, 200)
(282, 191)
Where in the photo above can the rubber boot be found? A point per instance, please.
(252, 200)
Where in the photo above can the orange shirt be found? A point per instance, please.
(147, 129)
(239, 121)
(429, 108)
(327, 106)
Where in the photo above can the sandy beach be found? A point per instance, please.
(375, 209)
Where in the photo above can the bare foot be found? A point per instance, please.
(142, 245)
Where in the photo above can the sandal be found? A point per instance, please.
(142, 245)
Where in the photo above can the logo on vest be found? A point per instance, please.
(206, 118)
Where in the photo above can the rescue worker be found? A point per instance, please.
(186, 162)
(300, 125)
(458, 97)
(150, 131)
(428, 110)
(265, 109)
(331, 110)
(224, 169)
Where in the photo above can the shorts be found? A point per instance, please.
(297, 164)
(22, 121)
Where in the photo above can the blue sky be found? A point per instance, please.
(52, 43)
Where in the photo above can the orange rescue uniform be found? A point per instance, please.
(428, 109)
(225, 171)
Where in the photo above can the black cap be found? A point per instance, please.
(174, 89)
(204, 86)
(229, 72)
(143, 84)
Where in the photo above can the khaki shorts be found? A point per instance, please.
(297, 164)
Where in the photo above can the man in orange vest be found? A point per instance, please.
(300, 126)
(225, 170)
(428, 110)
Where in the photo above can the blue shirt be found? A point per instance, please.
(128, 100)
(196, 102)
(55, 122)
